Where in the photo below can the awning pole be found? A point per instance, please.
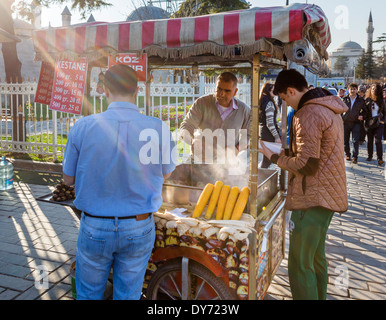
(254, 143)
(147, 93)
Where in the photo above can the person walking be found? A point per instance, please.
(269, 130)
(362, 134)
(375, 117)
(351, 121)
(384, 102)
(316, 179)
(341, 93)
(117, 188)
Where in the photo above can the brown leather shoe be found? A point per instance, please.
(348, 158)
(381, 162)
(354, 160)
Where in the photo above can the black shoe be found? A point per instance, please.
(354, 160)
(348, 158)
(381, 162)
(369, 159)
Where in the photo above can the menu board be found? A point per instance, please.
(139, 64)
(68, 86)
(46, 78)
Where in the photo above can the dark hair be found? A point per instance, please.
(290, 78)
(121, 79)
(378, 96)
(227, 77)
(353, 85)
(265, 91)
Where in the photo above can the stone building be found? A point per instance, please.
(352, 50)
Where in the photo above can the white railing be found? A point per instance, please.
(28, 127)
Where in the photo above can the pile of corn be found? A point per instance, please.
(229, 201)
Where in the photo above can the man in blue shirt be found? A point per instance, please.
(118, 160)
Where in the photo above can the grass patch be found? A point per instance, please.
(44, 139)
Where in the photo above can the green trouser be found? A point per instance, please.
(307, 264)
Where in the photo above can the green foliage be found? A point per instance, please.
(24, 7)
(366, 68)
(381, 39)
(191, 8)
(341, 64)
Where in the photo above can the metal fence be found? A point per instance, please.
(29, 127)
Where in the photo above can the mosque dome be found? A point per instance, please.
(350, 45)
(147, 13)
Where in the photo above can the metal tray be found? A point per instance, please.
(187, 181)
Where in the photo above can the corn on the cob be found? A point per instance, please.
(222, 200)
(231, 203)
(213, 199)
(240, 204)
(203, 200)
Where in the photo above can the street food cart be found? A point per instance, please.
(198, 258)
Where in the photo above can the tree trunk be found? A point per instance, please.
(12, 67)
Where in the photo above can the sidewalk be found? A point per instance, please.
(38, 237)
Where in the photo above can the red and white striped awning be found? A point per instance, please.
(249, 31)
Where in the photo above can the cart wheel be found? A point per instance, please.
(167, 283)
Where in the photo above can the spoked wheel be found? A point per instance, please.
(186, 280)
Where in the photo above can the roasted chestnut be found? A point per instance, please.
(244, 278)
(242, 292)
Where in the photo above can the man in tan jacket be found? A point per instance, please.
(316, 179)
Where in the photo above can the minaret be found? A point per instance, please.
(66, 17)
(370, 33)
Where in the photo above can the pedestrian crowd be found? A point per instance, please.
(364, 120)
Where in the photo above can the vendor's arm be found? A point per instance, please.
(191, 122)
(245, 132)
(308, 140)
(169, 152)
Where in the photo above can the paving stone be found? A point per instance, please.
(8, 294)
(15, 283)
(366, 295)
(56, 292)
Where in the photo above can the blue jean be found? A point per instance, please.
(354, 129)
(124, 245)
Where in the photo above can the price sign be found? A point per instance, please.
(46, 79)
(139, 64)
(68, 86)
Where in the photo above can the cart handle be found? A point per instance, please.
(268, 225)
(271, 221)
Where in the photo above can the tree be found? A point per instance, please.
(341, 64)
(12, 63)
(360, 69)
(366, 67)
(381, 59)
(191, 8)
(381, 39)
(370, 71)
